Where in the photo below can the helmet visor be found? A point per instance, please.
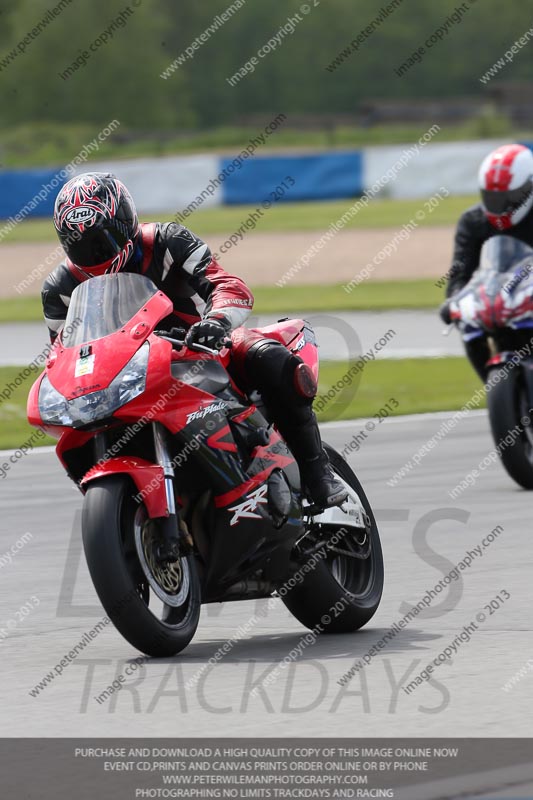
(506, 202)
(95, 246)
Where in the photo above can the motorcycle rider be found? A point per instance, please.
(97, 224)
(506, 207)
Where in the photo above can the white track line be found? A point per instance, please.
(37, 450)
(401, 418)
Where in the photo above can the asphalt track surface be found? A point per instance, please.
(424, 533)
(340, 335)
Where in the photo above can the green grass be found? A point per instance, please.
(368, 296)
(14, 428)
(282, 217)
(418, 385)
(22, 309)
(55, 144)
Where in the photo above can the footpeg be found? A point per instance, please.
(319, 508)
(313, 510)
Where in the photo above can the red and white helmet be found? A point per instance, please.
(96, 221)
(506, 183)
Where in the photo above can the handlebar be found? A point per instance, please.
(178, 344)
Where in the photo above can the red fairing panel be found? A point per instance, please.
(112, 352)
(291, 333)
(148, 478)
(278, 461)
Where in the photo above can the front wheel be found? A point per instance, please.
(512, 431)
(156, 608)
(338, 585)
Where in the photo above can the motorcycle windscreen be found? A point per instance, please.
(502, 253)
(100, 306)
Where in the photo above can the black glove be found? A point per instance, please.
(444, 312)
(209, 332)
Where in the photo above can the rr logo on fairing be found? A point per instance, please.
(247, 510)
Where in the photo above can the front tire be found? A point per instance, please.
(113, 525)
(341, 593)
(508, 404)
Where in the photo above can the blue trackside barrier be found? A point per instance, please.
(322, 176)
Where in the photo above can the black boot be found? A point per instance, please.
(318, 479)
(272, 370)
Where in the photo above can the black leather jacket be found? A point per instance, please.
(473, 230)
(179, 263)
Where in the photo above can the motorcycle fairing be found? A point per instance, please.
(109, 354)
(148, 478)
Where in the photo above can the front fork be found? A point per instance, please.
(165, 462)
(172, 542)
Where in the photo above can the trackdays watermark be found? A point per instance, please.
(243, 630)
(18, 617)
(7, 557)
(305, 641)
(151, 692)
(452, 576)
(86, 639)
(468, 631)
(296, 579)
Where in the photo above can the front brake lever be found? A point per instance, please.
(201, 348)
(226, 343)
(177, 344)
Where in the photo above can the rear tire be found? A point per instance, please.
(508, 403)
(341, 593)
(109, 521)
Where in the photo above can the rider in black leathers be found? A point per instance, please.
(506, 207)
(97, 224)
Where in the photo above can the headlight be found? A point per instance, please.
(53, 407)
(129, 383)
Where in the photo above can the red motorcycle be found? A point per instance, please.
(190, 494)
